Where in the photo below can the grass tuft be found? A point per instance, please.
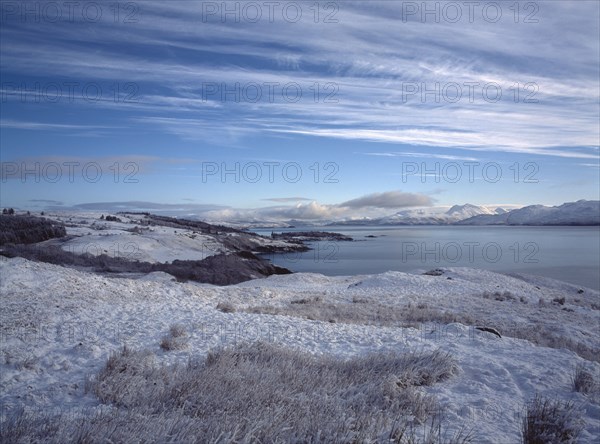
(550, 421)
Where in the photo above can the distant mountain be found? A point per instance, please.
(426, 216)
(464, 211)
(582, 212)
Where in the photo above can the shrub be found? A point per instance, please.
(550, 421)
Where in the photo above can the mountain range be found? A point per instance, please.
(582, 212)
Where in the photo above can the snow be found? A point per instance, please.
(59, 325)
(582, 212)
(151, 244)
(159, 244)
(436, 215)
(89, 234)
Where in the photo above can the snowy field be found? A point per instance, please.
(60, 325)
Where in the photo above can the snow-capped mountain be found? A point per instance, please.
(429, 216)
(582, 212)
(467, 210)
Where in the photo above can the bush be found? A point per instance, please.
(550, 421)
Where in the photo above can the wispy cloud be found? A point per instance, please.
(382, 56)
(429, 155)
(286, 199)
(41, 126)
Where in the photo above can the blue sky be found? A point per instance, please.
(308, 110)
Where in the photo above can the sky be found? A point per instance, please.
(298, 110)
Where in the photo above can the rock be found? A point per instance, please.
(436, 272)
(489, 330)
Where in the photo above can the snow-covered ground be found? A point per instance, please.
(59, 325)
(131, 240)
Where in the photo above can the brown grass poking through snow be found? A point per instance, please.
(177, 339)
(550, 421)
(260, 393)
(362, 312)
(583, 380)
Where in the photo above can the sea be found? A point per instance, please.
(570, 254)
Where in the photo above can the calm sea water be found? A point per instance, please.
(571, 254)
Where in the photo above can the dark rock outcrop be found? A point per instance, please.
(311, 236)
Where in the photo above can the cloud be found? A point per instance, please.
(371, 205)
(423, 154)
(388, 199)
(42, 126)
(285, 199)
(144, 206)
(47, 201)
(382, 54)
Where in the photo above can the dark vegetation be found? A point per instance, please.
(231, 238)
(222, 269)
(311, 236)
(184, 224)
(24, 229)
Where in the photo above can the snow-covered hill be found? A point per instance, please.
(137, 238)
(582, 212)
(59, 326)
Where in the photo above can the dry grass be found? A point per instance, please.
(362, 311)
(177, 339)
(583, 380)
(226, 307)
(550, 421)
(257, 393)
